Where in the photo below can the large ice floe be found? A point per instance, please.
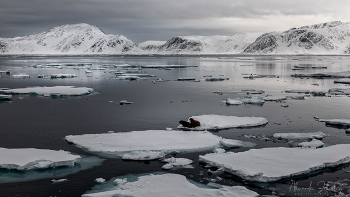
(31, 158)
(300, 136)
(340, 122)
(26, 164)
(54, 91)
(165, 185)
(273, 164)
(145, 145)
(214, 122)
(249, 100)
(284, 96)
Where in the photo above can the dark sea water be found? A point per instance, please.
(41, 122)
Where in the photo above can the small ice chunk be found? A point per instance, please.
(284, 105)
(100, 180)
(313, 144)
(176, 162)
(231, 143)
(122, 102)
(120, 181)
(231, 101)
(4, 97)
(54, 76)
(169, 129)
(300, 136)
(21, 76)
(219, 150)
(59, 180)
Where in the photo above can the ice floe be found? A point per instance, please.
(4, 97)
(343, 81)
(54, 181)
(345, 74)
(122, 102)
(145, 144)
(341, 122)
(31, 158)
(240, 101)
(167, 66)
(216, 79)
(273, 164)
(165, 185)
(300, 136)
(54, 76)
(314, 143)
(214, 122)
(100, 180)
(21, 76)
(54, 91)
(339, 91)
(283, 96)
(177, 163)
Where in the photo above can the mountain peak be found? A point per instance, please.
(323, 25)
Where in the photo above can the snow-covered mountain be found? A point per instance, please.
(235, 43)
(69, 39)
(324, 38)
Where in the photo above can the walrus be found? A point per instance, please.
(193, 123)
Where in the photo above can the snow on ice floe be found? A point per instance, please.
(341, 122)
(31, 158)
(314, 143)
(344, 74)
(240, 101)
(145, 145)
(300, 136)
(273, 164)
(21, 76)
(53, 91)
(177, 163)
(4, 97)
(229, 143)
(165, 185)
(214, 122)
(283, 96)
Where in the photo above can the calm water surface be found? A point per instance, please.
(39, 122)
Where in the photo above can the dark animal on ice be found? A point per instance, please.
(193, 123)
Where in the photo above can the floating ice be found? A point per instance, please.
(345, 74)
(186, 79)
(341, 122)
(339, 91)
(273, 164)
(143, 155)
(120, 144)
(214, 122)
(216, 79)
(54, 76)
(278, 97)
(165, 185)
(343, 81)
(122, 102)
(312, 144)
(300, 136)
(177, 162)
(166, 66)
(231, 143)
(59, 180)
(54, 91)
(4, 72)
(21, 76)
(31, 158)
(250, 100)
(241, 92)
(5, 97)
(298, 91)
(100, 180)
(219, 150)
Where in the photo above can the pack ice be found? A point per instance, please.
(273, 164)
(214, 122)
(31, 158)
(341, 122)
(145, 145)
(300, 136)
(284, 96)
(53, 91)
(165, 185)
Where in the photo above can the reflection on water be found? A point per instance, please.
(38, 122)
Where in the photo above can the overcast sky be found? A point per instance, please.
(141, 20)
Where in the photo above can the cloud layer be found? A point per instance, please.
(141, 20)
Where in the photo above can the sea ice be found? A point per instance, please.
(5, 97)
(166, 66)
(314, 143)
(54, 76)
(278, 97)
(165, 185)
(143, 155)
(59, 180)
(231, 143)
(341, 122)
(273, 164)
(344, 74)
(339, 91)
(53, 91)
(21, 76)
(126, 143)
(214, 122)
(122, 102)
(31, 158)
(176, 162)
(100, 180)
(250, 100)
(300, 136)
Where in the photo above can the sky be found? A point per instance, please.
(142, 20)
